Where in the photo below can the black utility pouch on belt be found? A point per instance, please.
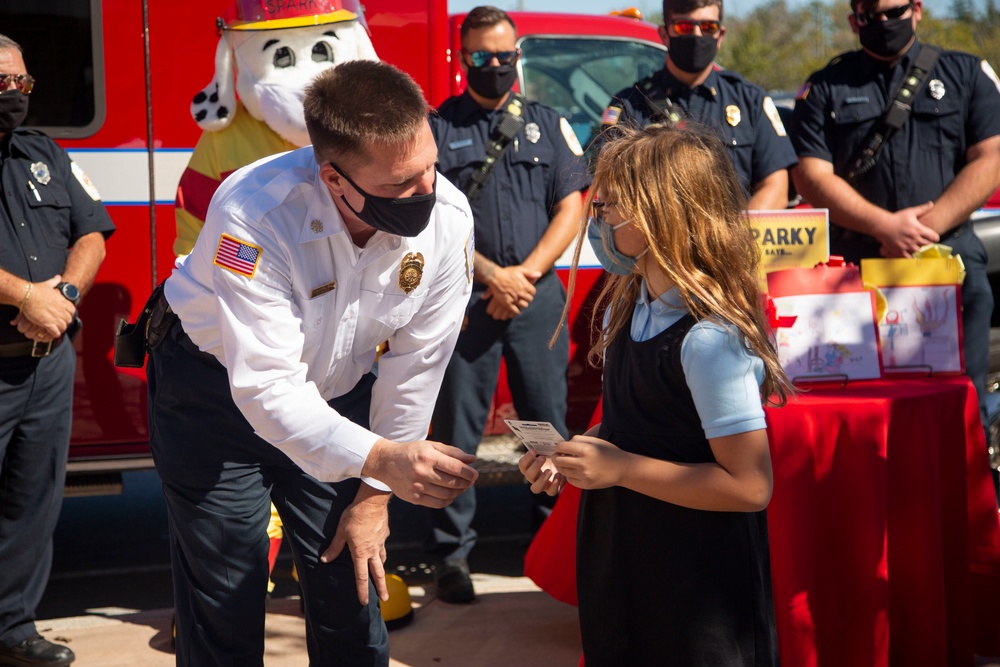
(133, 341)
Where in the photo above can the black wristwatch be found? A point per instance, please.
(70, 291)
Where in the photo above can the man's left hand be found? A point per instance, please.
(363, 529)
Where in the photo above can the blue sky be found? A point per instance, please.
(734, 7)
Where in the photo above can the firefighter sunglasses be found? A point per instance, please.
(483, 58)
(864, 18)
(23, 82)
(685, 27)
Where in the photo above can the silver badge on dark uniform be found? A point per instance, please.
(40, 171)
(936, 88)
(532, 133)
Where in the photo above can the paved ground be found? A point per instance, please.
(512, 623)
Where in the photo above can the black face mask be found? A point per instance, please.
(693, 53)
(491, 82)
(406, 216)
(13, 109)
(886, 38)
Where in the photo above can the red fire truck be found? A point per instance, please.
(115, 81)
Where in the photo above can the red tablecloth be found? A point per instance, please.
(884, 532)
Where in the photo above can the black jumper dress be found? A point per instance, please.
(661, 584)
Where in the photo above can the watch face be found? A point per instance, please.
(70, 292)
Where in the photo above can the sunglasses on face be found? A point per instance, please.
(23, 82)
(864, 18)
(483, 58)
(685, 27)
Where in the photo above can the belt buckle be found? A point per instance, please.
(37, 348)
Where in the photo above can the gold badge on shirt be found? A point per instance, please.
(733, 115)
(411, 270)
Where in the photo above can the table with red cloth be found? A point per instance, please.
(884, 531)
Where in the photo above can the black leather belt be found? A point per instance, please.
(29, 348)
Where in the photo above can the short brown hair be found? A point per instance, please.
(359, 104)
(674, 7)
(484, 16)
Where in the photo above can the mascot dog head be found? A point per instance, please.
(277, 47)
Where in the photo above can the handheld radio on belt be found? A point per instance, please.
(896, 114)
(510, 123)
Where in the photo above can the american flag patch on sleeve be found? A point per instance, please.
(237, 256)
(610, 116)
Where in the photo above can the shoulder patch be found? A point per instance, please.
(611, 116)
(988, 71)
(237, 256)
(470, 255)
(771, 112)
(804, 91)
(84, 180)
(570, 136)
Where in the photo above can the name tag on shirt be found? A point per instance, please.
(461, 143)
(323, 289)
(856, 100)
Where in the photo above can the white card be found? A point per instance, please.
(541, 437)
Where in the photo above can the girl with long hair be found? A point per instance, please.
(672, 552)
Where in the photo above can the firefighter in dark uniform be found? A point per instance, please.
(938, 168)
(692, 87)
(51, 244)
(525, 215)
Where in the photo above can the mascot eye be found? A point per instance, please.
(322, 52)
(284, 57)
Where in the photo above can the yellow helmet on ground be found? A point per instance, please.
(397, 611)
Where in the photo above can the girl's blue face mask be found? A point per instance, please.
(602, 239)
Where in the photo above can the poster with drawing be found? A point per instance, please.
(922, 330)
(833, 337)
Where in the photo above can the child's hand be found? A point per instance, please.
(590, 463)
(541, 472)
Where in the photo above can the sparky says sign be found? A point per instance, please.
(792, 239)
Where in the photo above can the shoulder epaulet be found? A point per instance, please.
(731, 75)
(32, 132)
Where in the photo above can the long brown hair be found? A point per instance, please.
(679, 188)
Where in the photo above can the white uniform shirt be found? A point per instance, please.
(287, 348)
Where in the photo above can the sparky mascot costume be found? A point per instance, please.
(268, 53)
(275, 49)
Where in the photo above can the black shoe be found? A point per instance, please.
(36, 651)
(454, 583)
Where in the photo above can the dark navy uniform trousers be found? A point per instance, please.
(537, 379)
(36, 406)
(219, 479)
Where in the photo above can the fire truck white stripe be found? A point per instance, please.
(122, 178)
(122, 175)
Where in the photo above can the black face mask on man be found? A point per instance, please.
(13, 110)
(491, 82)
(693, 53)
(406, 216)
(886, 38)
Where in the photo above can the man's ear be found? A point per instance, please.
(664, 36)
(852, 19)
(331, 179)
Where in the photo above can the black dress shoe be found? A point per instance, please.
(454, 583)
(36, 651)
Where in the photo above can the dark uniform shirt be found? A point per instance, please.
(45, 210)
(958, 107)
(538, 169)
(743, 114)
